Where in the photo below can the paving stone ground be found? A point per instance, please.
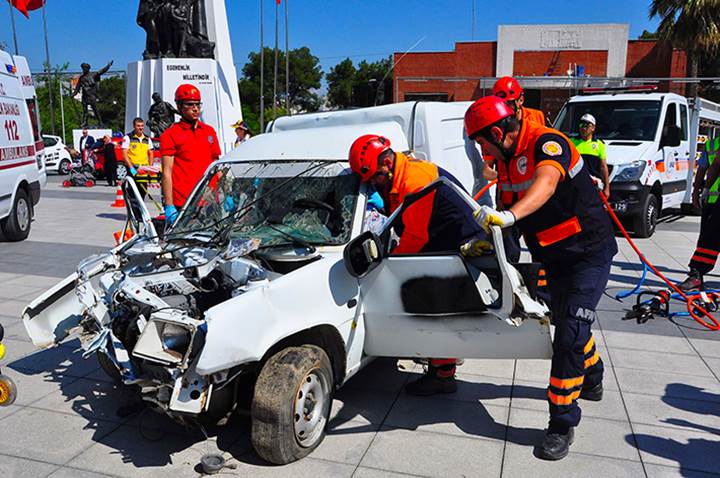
(660, 416)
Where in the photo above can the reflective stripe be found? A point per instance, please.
(542, 283)
(703, 259)
(709, 252)
(563, 399)
(557, 233)
(592, 360)
(515, 188)
(541, 272)
(589, 345)
(576, 169)
(567, 383)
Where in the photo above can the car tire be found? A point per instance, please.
(108, 367)
(121, 172)
(64, 167)
(16, 227)
(644, 224)
(291, 404)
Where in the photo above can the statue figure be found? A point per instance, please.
(161, 115)
(88, 84)
(175, 29)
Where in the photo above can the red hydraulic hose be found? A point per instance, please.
(485, 189)
(695, 310)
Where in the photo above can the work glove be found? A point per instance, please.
(375, 201)
(475, 248)
(487, 216)
(598, 183)
(133, 171)
(171, 214)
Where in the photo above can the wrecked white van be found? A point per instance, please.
(268, 285)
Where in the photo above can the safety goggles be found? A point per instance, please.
(191, 104)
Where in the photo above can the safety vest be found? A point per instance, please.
(138, 149)
(573, 222)
(530, 114)
(712, 149)
(410, 175)
(593, 153)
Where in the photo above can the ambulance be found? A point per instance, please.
(22, 172)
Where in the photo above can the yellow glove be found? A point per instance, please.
(487, 216)
(475, 248)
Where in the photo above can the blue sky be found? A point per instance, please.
(360, 29)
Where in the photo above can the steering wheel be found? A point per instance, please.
(314, 204)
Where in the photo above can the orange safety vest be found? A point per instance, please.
(536, 116)
(409, 176)
(573, 222)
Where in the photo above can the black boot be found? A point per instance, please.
(693, 282)
(431, 384)
(556, 446)
(594, 394)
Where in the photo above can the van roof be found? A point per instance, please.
(625, 97)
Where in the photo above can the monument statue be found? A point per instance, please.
(175, 29)
(161, 115)
(88, 85)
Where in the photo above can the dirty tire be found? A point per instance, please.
(16, 226)
(278, 390)
(108, 367)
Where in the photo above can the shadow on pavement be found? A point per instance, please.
(114, 216)
(695, 455)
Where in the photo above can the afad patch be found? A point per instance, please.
(552, 148)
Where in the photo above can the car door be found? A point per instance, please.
(442, 305)
(52, 316)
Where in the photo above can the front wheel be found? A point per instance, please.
(291, 404)
(645, 222)
(64, 167)
(16, 226)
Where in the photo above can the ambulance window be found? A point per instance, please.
(670, 116)
(684, 122)
(32, 108)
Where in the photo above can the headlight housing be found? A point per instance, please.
(175, 339)
(164, 341)
(630, 172)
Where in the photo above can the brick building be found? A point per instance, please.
(551, 61)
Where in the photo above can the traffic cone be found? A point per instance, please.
(118, 234)
(119, 198)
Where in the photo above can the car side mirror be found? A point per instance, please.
(363, 254)
(670, 137)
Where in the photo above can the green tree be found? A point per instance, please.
(369, 84)
(111, 102)
(341, 81)
(648, 35)
(693, 25)
(72, 107)
(305, 76)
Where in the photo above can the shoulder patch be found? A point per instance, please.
(552, 148)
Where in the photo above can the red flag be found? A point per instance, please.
(277, 2)
(24, 6)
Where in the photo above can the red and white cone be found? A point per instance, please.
(119, 198)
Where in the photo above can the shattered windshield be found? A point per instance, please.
(273, 202)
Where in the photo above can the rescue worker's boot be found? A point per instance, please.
(693, 282)
(433, 382)
(593, 394)
(556, 446)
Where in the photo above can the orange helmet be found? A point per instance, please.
(187, 93)
(485, 112)
(507, 88)
(364, 154)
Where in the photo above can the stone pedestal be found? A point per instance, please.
(216, 79)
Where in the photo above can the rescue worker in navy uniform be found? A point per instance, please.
(566, 227)
(438, 222)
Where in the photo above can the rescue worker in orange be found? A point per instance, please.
(438, 222)
(559, 212)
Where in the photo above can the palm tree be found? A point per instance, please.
(693, 25)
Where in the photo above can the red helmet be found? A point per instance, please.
(364, 154)
(507, 88)
(486, 111)
(187, 93)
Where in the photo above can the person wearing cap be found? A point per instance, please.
(438, 222)
(557, 208)
(593, 152)
(187, 147)
(242, 131)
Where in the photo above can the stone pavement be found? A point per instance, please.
(660, 416)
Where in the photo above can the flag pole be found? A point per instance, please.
(49, 78)
(62, 109)
(12, 20)
(275, 65)
(262, 68)
(287, 63)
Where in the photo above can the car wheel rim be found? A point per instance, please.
(311, 403)
(23, 214)
(64, 167)
(121, 173)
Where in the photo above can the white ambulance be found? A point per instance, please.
(22, 173)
